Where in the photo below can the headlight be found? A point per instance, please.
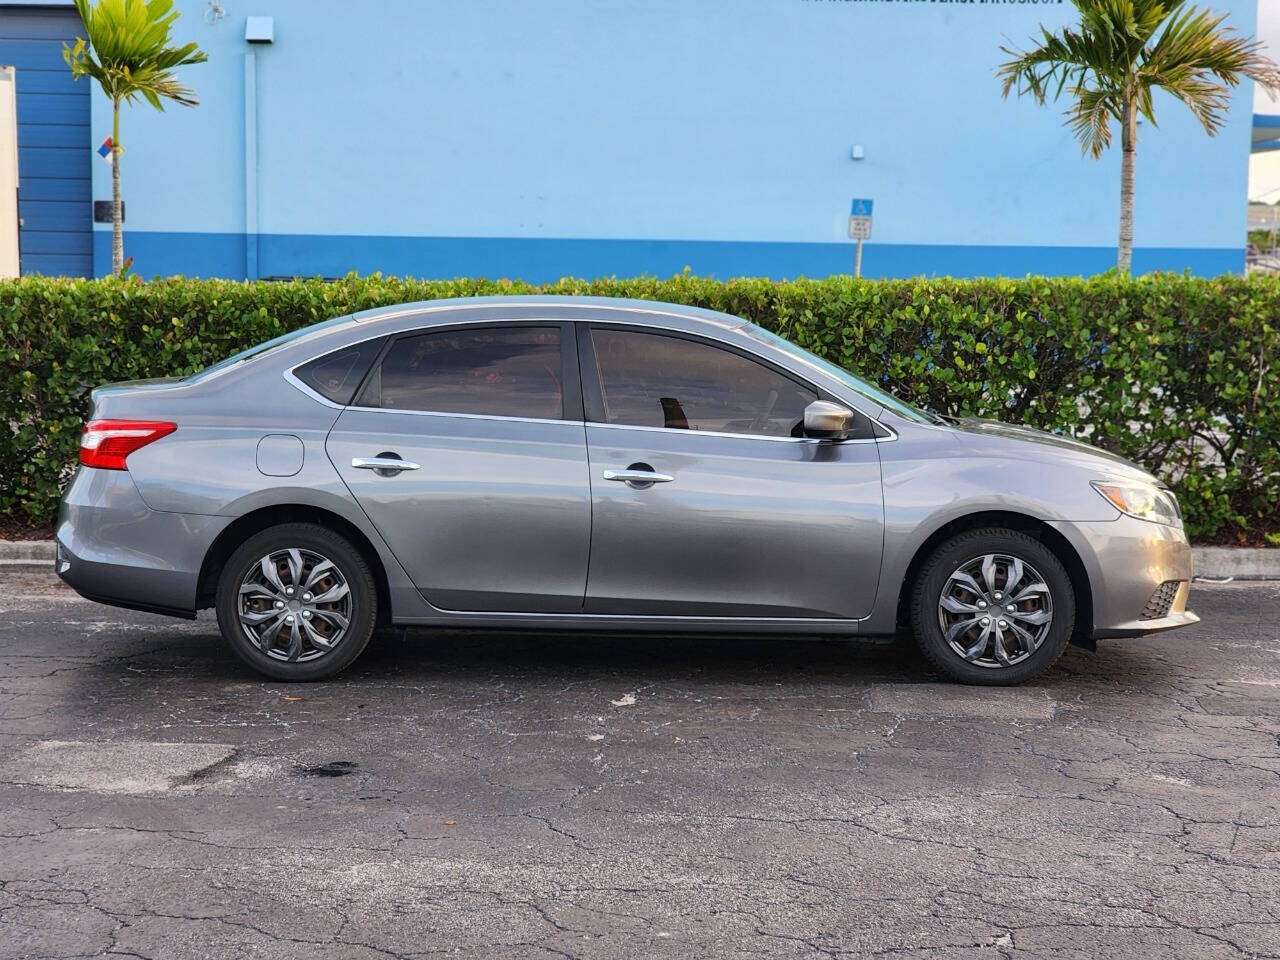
(1142, 500)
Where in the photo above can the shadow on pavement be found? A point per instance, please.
(543, 657)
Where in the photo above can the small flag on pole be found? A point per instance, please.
(105, 151)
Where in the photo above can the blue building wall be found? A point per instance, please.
(590, 137)
(54, 189)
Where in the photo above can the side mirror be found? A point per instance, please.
(824, 420)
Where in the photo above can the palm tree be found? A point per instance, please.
(129, 53)
(1121, 52)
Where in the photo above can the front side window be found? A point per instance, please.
(654, 380)
(490, 371)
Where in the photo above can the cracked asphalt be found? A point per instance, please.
(502, 796)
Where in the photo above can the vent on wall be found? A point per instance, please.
(260, 29)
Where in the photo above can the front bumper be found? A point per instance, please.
(114, 549)
(1127, 561)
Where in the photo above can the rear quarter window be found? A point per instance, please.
(337, 375)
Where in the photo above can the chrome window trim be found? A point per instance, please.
(604, 426)
(893, 434)
(742, 436)
(463, 416)
(293, 379)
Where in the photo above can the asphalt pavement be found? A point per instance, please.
(499, 795)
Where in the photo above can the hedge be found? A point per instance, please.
(1174, 372)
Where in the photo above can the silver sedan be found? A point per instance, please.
(592, 464)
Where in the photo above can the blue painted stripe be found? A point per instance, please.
(165, 254)
(547, 259)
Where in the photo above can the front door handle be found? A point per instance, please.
(391, 465)
(638, 476)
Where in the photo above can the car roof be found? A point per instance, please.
(557, 308)
(400, 318)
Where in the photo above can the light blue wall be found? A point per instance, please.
(503, 138)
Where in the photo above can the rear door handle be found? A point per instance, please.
(638, 476)
(384, 463)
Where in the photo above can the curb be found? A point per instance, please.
(1240, 563)
(27, 553)
(1212, 563)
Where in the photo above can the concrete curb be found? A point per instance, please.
(1240, 563)
(26, 553)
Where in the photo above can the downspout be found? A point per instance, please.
(250, 166)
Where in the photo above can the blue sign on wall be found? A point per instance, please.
(861, 208)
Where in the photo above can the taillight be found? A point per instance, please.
(106, 443)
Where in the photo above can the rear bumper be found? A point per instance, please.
(113, 548)
(1127, 561)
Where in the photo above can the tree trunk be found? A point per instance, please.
(117, 206)
(1128, 141)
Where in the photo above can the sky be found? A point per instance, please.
(1264, 168)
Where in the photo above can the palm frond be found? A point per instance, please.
(129, 52)
(1146, 108)
(1090, 119)
(1046, 70)
(1198, 60)
(1102, 50)
(1122, 50)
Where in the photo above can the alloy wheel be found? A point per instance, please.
(294, 605)
(995, 610)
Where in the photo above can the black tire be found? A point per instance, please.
(361, 613)
(964, 549)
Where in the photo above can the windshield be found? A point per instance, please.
(875, 394)
(261, 348)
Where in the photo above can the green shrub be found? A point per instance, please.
(1263, 239)
(1174, 372)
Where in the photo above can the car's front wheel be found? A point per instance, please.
(297, 602)
(993, 606)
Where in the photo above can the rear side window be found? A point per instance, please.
(335, 376)
(490, 371)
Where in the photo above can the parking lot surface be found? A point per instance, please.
(548, 796)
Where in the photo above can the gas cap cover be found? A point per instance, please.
(279, 455)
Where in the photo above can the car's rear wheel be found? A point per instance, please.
(993, 607)
(297, 602)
